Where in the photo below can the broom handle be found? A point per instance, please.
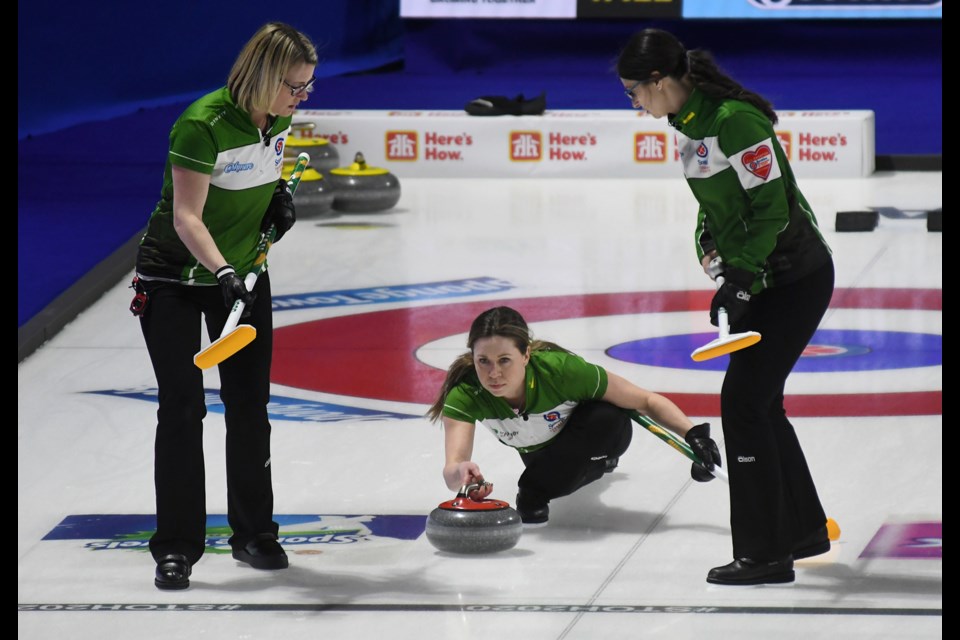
(722, 311)
(266, 240)
(674, 441)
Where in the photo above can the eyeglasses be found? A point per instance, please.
(302, 90)
(629, 92)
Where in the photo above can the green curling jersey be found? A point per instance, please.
(751, 210)
(556, 381)
(216, 137)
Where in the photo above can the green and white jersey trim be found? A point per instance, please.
(524, 433)
(246, 167)
(215, 137)
(556, 382)
(755, 165)
(701, 158)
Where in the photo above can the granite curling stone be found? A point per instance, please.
(314, 196)
(467, 526)
(360, 188)
(323, 155)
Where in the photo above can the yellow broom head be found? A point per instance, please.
(723, 346)
(225, 346)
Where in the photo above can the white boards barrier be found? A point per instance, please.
(571, 144)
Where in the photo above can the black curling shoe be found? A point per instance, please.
(746, 572)
(814, 544)
(173, 572)
(533, 513)
(263, 552)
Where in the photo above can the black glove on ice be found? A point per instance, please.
(706, 449)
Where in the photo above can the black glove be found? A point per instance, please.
(233, 289)
(281, 212)
(733, 295)
(706, 449)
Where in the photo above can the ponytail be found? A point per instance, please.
(653, 54)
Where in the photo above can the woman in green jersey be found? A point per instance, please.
(563, 415)
(756, 228)
(222, 188)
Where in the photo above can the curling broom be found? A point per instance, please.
(236, 336)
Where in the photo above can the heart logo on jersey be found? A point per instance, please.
(759, 161)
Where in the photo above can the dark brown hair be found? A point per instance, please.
(498, 321)
(653, 54)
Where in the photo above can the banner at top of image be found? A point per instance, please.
(488, 8)
(797, 9)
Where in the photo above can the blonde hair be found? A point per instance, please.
(263, 62)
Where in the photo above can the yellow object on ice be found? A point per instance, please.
(833, 530)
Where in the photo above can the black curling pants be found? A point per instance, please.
(773, 499)
(171, 328)
(595, 432)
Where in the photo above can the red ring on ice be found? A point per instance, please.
(372, 355)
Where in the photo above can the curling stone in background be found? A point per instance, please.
(360, 188)
(465, 525)
(314, 196)
(323, 155)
